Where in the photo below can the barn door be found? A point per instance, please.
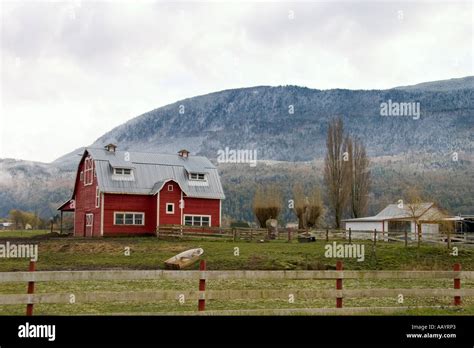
(89, 225)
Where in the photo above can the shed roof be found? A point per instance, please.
(426, 211)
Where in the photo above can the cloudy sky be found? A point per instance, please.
(70, 70)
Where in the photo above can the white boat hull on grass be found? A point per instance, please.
(184, 259)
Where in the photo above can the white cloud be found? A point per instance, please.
(72, 71)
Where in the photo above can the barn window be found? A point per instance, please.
(188, 220)
(197, 176)
(89, 219)
(97, 197)
(122, 171)
(88, 171)
(197, 220)
(119, 219)
(170, 187)
(138, 219)
(129, 218)
(169, 208)
(81, 176)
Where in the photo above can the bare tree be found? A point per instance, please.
(336, 169)
(307, 208)
(414, 207)
(267, 204)
(18, 218)
(359, 176)
(315, 208)
(299, 205)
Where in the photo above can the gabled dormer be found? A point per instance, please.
(120, 164)
(197, 176)
(122, 172)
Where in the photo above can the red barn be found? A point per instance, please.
(124, 192)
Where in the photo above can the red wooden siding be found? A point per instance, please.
(85, 204)
(201, 206)
(170, 197)
(129, 203)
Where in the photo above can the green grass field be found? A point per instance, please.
(22, 233)
(149, 253)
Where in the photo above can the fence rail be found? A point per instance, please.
(45, 276)
(288, 234)
(202, 295)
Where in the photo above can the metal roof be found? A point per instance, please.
(120, 162)
(152, 170)
(393, 211)
(421, 211)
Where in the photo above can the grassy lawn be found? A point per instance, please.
(149, 253)
(22, 233)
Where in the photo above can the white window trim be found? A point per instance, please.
(129, 212)
(123, 171)
(91, 215)
(200, 215)
(87, 169)
(97, 197)
(197, 178)
(170, 187)
(102, 214)
(169, 212)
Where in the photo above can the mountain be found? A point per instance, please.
(33, 186)
(443, 85)
(258, 118)
(285, 123)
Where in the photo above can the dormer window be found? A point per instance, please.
(197, 176)
(123, 174)
(122, 171)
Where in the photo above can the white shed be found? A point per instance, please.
(399, 218)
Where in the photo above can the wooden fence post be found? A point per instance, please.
(375, 236)
(233, 234)
(350, 235)
(202, 287)
(339, 267)
(289, 234)
(457, 284)
(327, 235)
(448, 240)
(418, 227)
(31, 289)
(406, 239)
